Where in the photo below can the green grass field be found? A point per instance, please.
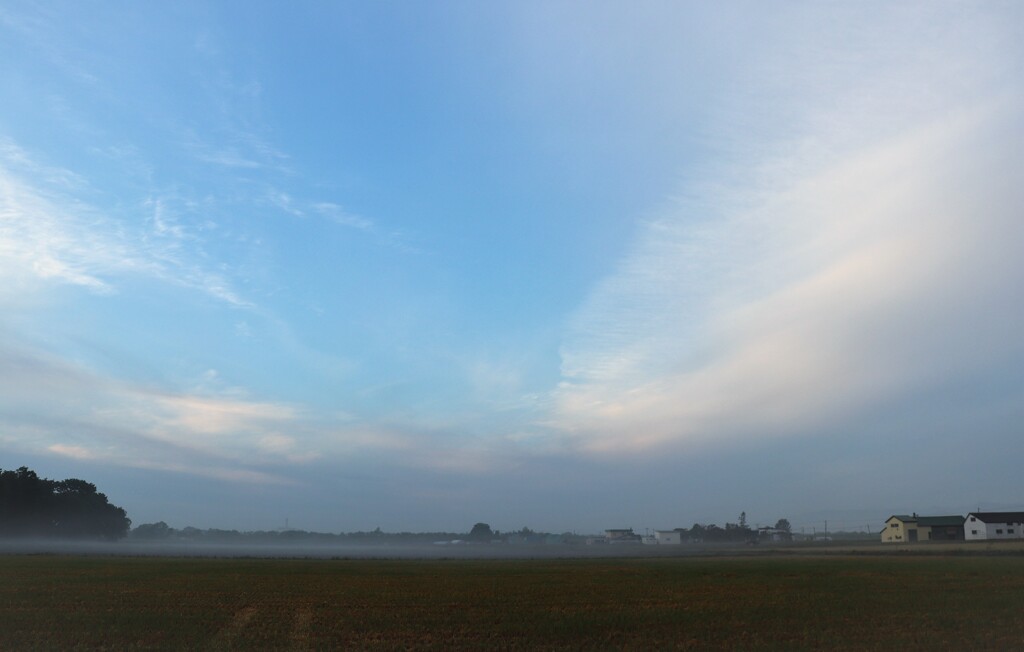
(783, 603)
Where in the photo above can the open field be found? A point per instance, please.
(749, 603)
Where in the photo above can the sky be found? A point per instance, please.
(564, 265)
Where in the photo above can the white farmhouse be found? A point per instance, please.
(994, 525)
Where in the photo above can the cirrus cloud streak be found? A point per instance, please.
(843, 292)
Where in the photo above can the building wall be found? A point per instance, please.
(946, 533)
(974, 530)
(668, 536)
(896, 531)
(977, 530)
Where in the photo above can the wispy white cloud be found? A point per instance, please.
(227, 157)
(164, 224)
(51, 405)
(18, 159)
(284, 201)
(205, 416)
(233, 136)
(76, 452)
(861, 259)
(40, 29)
(223, 155)
(39, 240)
(338, 214)
(49, 233)
(209, 430)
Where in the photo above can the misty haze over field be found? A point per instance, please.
(565, 265)
(365, 551)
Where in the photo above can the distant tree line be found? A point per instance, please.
(31, 506)
(160, 531)
(480, 533)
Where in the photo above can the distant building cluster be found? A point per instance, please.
(976, 526)
(616, 536)
(698, 534)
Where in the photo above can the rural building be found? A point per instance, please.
(901, 528)
(773, 535)
(671, 537)
(622, 536)
(994, 525)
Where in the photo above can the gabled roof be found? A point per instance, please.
(940, 521)
(906, 518)
(929, 521)
(998, 517)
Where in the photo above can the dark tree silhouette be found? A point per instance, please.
(158, 530)
(34, 506)
(481, 531)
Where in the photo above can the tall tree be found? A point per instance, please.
(34, 506)
(481, 531)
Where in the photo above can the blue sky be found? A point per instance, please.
(563, 265)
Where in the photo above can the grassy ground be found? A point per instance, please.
(783, 603)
